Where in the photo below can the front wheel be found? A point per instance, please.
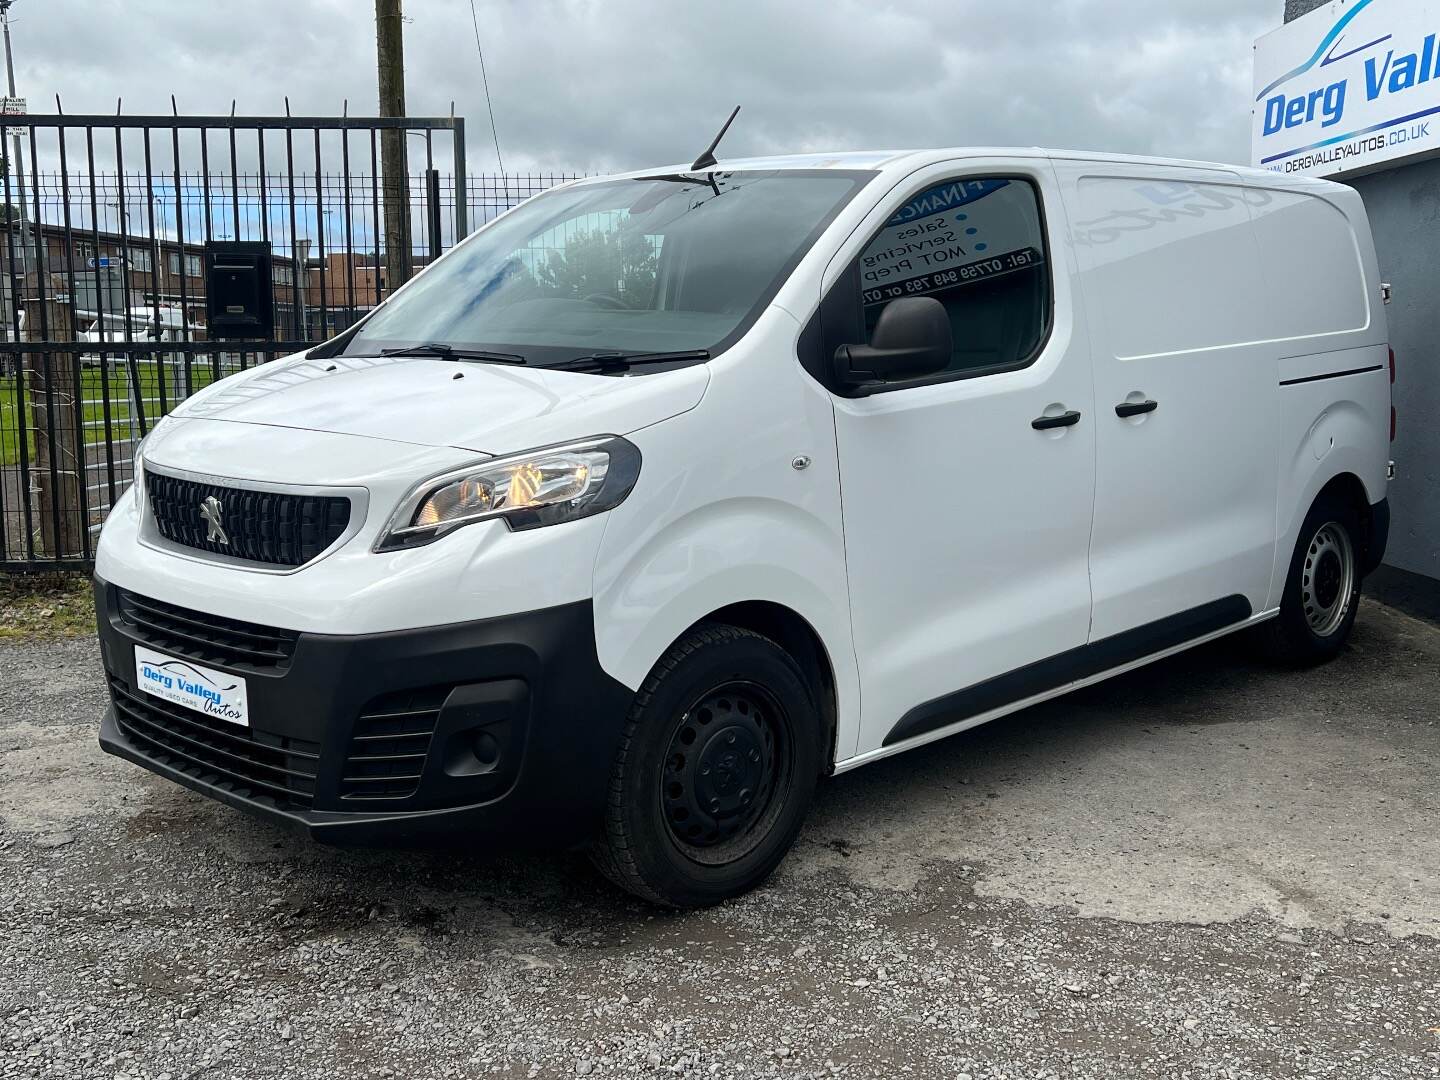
(1322, 589)
(715, 772)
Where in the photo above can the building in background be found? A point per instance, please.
(1350, 90)
(111, 274)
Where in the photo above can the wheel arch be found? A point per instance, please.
(1350, 490)
(1341, 474)
(793, 633)
(771, 566)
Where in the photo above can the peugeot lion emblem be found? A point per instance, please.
(212, 511)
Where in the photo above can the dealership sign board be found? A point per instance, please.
(1352, 86)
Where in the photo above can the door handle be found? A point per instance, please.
(1135, 408)
(1065, 419)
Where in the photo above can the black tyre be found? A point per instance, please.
(1322, 589)
(715, 771)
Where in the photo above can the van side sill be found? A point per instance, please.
(1071, 666)
(1331, 375)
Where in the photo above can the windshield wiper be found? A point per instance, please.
(619, 361)
(448, 352)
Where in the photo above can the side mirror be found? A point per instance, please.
(911, 339)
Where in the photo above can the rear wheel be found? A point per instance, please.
(715, 772)
(1322, 589)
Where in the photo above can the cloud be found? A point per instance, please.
(595, 85)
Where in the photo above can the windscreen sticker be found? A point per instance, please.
(952, 234)
(941, 280)
(945, 197)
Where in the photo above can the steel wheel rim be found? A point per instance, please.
(727, 766)
(1327, 579)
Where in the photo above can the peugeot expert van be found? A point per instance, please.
(666, 494)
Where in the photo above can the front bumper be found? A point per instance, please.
(500, 731)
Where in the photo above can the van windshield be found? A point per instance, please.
(681, 263)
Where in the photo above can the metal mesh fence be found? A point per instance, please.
(105, 295)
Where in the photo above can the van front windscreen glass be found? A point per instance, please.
(658, 264)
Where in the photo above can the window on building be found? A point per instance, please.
(175, 263)
(977, 246)
(192, 266)
(140, 260)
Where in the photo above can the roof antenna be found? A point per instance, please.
(707, 159)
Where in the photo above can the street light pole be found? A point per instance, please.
(10, 77)
(19, 163)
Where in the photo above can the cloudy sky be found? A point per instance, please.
(592, 85)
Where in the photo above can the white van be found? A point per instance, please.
(666, 494)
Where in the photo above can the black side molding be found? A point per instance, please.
(1332, 375)
(1069, 666)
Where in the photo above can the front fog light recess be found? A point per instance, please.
(530, 490)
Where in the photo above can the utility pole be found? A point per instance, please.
(390, 58)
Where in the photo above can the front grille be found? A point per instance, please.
(204, 637)
(239, 759)
(390, 743)
(258, 526)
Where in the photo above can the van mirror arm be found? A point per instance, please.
(858, 367)
(912, 338)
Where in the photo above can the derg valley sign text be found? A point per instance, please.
(1350, 86)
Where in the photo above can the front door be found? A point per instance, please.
(967, 495)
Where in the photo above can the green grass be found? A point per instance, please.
(9, 429)
(93, 386)
(40, 607)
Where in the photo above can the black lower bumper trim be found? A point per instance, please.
(500, 731)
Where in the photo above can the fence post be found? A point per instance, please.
(462, 184)
(57, 469)
(432, 211)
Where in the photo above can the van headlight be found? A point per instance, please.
(539, 487)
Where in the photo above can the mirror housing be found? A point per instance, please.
(911, 339)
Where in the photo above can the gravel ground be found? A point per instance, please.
(1204, 869)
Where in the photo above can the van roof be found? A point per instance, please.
(908, 160)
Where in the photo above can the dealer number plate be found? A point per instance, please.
(194, 686)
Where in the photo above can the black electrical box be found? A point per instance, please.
(239, 294)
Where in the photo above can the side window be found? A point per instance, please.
(977, 246)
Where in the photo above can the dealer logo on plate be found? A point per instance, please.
(194, 686)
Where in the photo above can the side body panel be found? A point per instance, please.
(1185, 494)
(1333, 377)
